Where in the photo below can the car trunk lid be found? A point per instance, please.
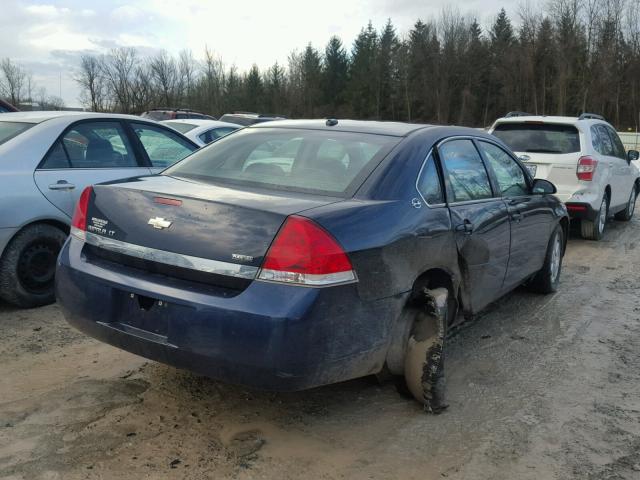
(191, 226)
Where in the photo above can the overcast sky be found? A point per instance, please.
(47, 37)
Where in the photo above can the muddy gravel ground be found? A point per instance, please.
(540, 387)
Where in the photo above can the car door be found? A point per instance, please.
(88, 152)
(162, 146)
(613, 165)
(530, 215)
(480, 220)
(623, 169)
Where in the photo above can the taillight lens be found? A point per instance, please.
(79, 220)
(586, 168)
(305, 253)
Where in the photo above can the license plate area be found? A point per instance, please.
(144, 313)
(532, 169)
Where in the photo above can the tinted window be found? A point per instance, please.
(8, 130)
(92, 145)
(282, 159)
(541, 138)
(215, 133)
(465, 171)
(618, 148)
(163, 147)
(603, 144)
(511, 179)
(429, 183)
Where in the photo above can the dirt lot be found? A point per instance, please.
(539, 388)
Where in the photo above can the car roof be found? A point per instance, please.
(398, 129)
(38, 117)
(202, 122)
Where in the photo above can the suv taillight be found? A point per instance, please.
(79, 220)
(304, 253)
(586, 168)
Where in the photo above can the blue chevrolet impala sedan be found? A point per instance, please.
(296, 254)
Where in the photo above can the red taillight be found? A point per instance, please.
(586, 168)
(305, 253)
(79, 219)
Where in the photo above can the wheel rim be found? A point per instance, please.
(37, 265)
(602, 218)
(632, 202)
(556, 255)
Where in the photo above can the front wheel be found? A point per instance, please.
(627, 213)
(548, 278)
(593, 229)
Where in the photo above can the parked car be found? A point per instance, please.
(46, 160)
(6, 107)
(584, 158)
(247, 118)
(347, 254)
(159, 114)
(202, 132)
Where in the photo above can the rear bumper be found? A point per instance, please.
(269, 336)
(582, 211)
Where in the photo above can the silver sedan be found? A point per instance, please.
(46, 160)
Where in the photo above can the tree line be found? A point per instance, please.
(18, 87)
(570, 57)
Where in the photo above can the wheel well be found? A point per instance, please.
(433, 278)
(54, 223)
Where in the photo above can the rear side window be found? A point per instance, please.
(618, 147)
(429, 183)
(92, 145)
(465, 171)
(9, 130)
(539, 138)
(602, 142)
(509, 175)
(215, 133)
(163, 147)
(289, 159)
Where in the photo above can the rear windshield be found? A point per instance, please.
(8, 130)
(314, 161)
(181, 127)
(540, 138)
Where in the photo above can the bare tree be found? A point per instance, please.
(90, 78)
(12, 80)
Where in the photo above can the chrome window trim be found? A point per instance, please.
(168, 258)
(429, 205)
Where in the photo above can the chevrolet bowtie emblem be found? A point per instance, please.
(159, 223)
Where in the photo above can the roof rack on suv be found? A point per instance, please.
(517, 114)
(590, 116)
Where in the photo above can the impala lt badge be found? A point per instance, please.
(159, 223)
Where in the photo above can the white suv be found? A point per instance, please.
(583, 157)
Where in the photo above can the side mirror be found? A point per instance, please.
(543, 187)
(632, 155)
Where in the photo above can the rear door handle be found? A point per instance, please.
(466, 227)
(62, 185)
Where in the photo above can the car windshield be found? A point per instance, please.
(181, 127)
(9, 130)
(539, 138)
(314, 161)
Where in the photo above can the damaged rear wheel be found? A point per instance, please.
(424, 353)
